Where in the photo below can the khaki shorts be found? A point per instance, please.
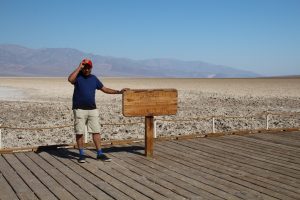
(89, 118)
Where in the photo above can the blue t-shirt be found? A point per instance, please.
(84, 92)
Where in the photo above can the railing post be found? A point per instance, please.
(213, 125)
(267, 121)
(154, 128)
(0, 137)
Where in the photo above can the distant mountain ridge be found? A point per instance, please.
(17, 60)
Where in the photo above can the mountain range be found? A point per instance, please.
(18, 60)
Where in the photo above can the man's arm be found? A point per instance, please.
(112, 91)
(73, 75)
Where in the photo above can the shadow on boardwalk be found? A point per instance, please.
(70, 154)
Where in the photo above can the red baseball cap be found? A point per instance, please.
(87, 62)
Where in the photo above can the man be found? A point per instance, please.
(84, 106)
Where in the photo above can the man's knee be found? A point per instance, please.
(78, 136)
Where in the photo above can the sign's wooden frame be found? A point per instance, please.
(149, 103)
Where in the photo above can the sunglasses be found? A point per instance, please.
(87, 66)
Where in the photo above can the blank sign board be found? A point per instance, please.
(152, 102)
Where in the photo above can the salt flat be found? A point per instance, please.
(46, 102)
(40, 88)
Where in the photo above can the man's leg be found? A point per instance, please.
(94, 127)
(79, 140)
(80, 117)
(97, 140)
(100, 154)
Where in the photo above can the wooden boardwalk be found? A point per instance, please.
(258, 166)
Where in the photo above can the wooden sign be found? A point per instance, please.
(149, 103)
(153, 102)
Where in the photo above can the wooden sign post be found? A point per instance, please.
(149, 103)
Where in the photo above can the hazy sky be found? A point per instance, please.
(258, 35)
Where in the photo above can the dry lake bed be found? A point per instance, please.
(46, 102)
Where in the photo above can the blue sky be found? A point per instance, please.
(262, 36)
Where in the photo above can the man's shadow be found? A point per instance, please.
(60, 151)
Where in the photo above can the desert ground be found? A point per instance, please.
(47, 102)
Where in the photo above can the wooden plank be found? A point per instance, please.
(217, 157)
(266, 137)
(143, 179)
(254, 177)
(158, 174)
(234, 160)
(266, 146)
(184, 176)
(283, 168)
(36, 186)
(235, 168)
(264, 149)
(211, 177)
(129, 180)
(282, 138)
(165, 187)
(293, 135)
(21, 189)
(72, 163)
(243, 182)
(6, 192)
(291, 167)
(200, 182)
(96, 169)
(62, 179)
(253, 161)
(58, 190)
(152, 102)
(273, 144)
(290, 135)
(75, 177)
